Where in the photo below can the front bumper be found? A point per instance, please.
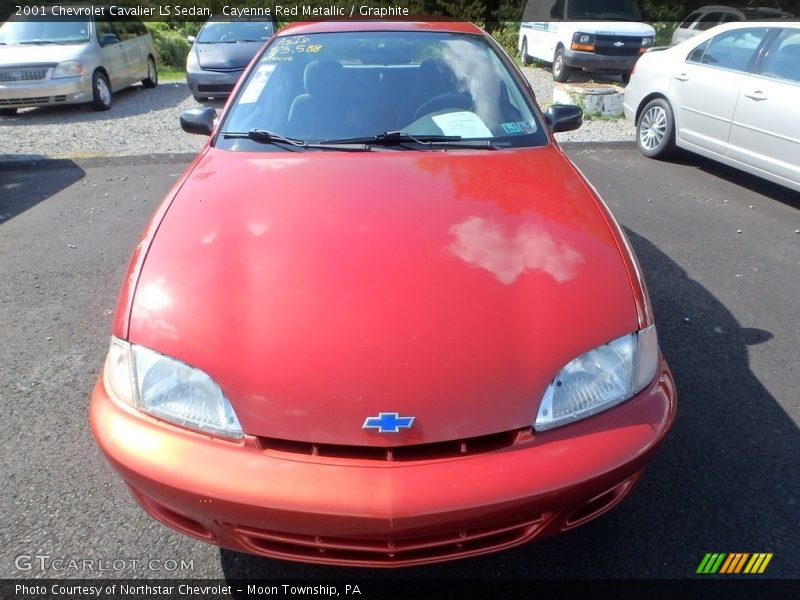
(599, 62)
(67, 90)
(212, 84)
(376, 513)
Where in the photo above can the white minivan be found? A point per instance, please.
(70, 61)
(606, 36)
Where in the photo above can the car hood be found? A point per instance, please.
(32, 54)
(322, 288)
(226, 56)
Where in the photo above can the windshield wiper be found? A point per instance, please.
(263, 136)
(404, 139)
(40, 42)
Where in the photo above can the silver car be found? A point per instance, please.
(71, 62)
(221, 52)
(730, 94)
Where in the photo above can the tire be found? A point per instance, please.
(152, 74)
(8, 112)
(655, 129)
(626, 78)
(101, 92)
(561, 72)
(523, 54)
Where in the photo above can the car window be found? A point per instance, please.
(783, 60)
(710, 20)
(106, 28)
(696, 55)
(731, 17)
(221, 32)
(34, 31)
(689, 21)
(730, 50)
(126, 30)
(356, 84)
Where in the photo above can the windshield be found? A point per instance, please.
(333, 86)
(221, 32)
(622, 10)
(33, 31)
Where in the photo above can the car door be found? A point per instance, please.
(113, 55)
(135, 47)
(766, 126)
(705, 88)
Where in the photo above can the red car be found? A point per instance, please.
(382, 319)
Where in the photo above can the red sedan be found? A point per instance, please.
(381, 319)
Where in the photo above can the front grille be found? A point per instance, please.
(31, 101)
(12, 74)
(609, 45)
(390, 551)
(413, 452)
(224, 70)
(215, 87)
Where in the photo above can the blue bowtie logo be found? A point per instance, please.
(388, 422)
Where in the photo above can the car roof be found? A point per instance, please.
(717, 8)
(344, 26)
(750, 25)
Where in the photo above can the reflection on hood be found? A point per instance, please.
(484, 244)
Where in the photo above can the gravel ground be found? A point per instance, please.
(146, 122)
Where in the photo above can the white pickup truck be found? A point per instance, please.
(605, 36)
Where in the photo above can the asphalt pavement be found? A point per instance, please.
(721, 254)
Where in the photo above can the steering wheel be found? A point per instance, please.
(442, 101)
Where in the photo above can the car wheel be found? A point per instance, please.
(626, 78)
(8, 112)
(655, 129)
(561, 71)
(523, 54)
(152, 74)
(101, 92)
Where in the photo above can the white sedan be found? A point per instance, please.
(731, 93)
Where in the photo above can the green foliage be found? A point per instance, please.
(664, 30)
(170, 43)
(506, 34)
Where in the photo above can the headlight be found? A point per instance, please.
(169, 390)
(600, 379)
(583, 42)
(191, 61)
(647, 41)
(70, 68)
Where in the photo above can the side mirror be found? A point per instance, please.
(563, 117)
(109, 38)
(198, 120)
(190, 39)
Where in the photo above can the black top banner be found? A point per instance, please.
(477, 11)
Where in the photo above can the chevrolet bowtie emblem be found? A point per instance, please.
(618, 44)
(388, 422)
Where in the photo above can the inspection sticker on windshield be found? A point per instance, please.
(466, 124)
(256, 85)
(518, 127)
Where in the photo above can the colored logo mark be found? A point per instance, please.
(388, 422)
(734, 563)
